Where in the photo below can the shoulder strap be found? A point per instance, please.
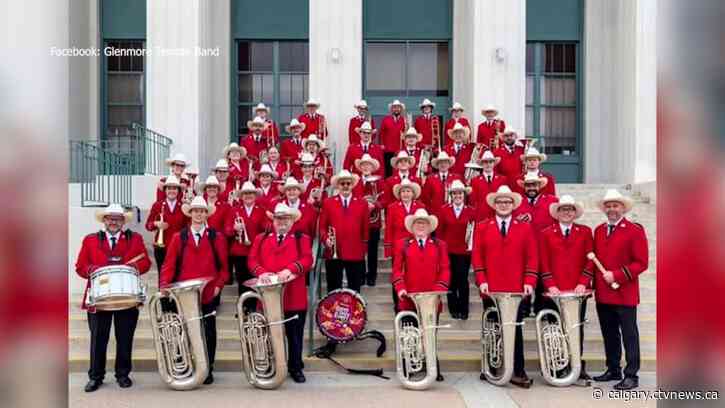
(101, 237)
(298, 235)
(212, 238)
(184, 235)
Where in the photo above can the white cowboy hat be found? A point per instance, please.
(366, 158)
(421, 214)
(306, 159)
(294, 123)
(457, 185)
(488, 156)
(172, 181)
(211, 181)
(314, 139)
(442, 156)
(261, 106)
(614, 195)
(533, 178)
(191, 171)
(489, 108)
(396, 103)
(114, 209)
(402, 155)
(312, 102)
(460, 128)
(234, 147)
(413, 132)
(533, 152)
(362, 104)
(510, 130)
(291, 182)
(456, 106)
(221, 164)
(426, 102)
(365, 127)
(344, 175)
(177, 158)
(197, 202)
(564, 201)
(257, 121)
(281, 210)
(503, 191)
(409, 184)
(266, 169)
(248, 187)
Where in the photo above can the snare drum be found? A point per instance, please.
(116, 287)
(341, 315)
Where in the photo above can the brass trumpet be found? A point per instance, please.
(243, 232)
(331, 235)
(160, 236)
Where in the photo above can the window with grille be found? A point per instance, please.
(407, 68)
(124, 87)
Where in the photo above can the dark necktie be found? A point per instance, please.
(420, 243)
(113, 243)
(611, 229)
(567, 232)
(365, 148)
(198, 239)
(503, 229)
(443, 178)
(280, 237)
(531, 201)
(489, 179)
(344, 203)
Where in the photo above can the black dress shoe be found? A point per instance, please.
(627, 384)
(609, 375)
(522, 381)
(297, 376)
(439, 377)
(463, 316)
(209, 379)
(124, 382)
(371, 283)
(93, 385)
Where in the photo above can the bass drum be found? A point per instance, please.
(341, 315)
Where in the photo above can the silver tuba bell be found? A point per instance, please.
(558, 341)
(264, 350)
(179, 336)
(415, 347)
(497, 337)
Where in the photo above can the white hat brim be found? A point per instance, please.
(373, 161)
(186, 209)
(352, 177)
(491, 197)
(394, 160)
(626, 202)
(554, 209)
(415, 186)
(435, 161)
(411, 219)
(101, 214)
(293, 212)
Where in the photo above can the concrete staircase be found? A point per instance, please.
(459, 347)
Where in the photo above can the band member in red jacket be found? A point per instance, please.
(460, 148)
(111, 246)
(210, 192)
(532, 162)
(510, 153)
(406, 194)
(313, 194)
(173, 219)
(323, 165)
(370, 188)
(221, 172)
(364, 146)
(314, 121)
(621, 247)
(288, 255)
(255, 142)
(271, 131)
(199, 251)
(487, 182)
(268, 191)
(435, 190)
(291, 192)
(177, 164)
(356, 122)
(282, 169)
(391, 129)
(344, 231)
(535, 206)
(424, 123)
(420, 264)
(291, 148)
(505, 259)
(456, 229)
(456, 117)
(490, 127)
(402, 165)
(563, 263)
(243, 223)
(412, 146)
(238, 165)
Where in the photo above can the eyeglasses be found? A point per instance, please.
(345, 183)
(503, 202)
(567, 209)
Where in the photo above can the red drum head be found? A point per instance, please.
(341, 315)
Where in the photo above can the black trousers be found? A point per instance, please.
(388, 168)
(210, 330)
(458, 295)
(547, 303)
(294, 330)
(354, 270)
(373, 241)
(524, 309)
(241, 274)
(159, 256)
(124, 324)
(619, 325)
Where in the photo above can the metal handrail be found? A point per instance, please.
(104, 176)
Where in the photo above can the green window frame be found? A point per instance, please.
(124, 89)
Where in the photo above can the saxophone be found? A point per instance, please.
(415, 343)
(497, 338)
(179, 335)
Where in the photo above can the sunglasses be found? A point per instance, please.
(345, 183)
(503, 202)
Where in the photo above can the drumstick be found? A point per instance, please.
(136, 258)
(599, 265)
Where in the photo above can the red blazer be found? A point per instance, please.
(307, 223)
(539, 212)
(510, 165)
(463, 156)
(415, 153)
(290, 149)
(294, 254)
(176, 220)
(96, 252)
(267, 200)
(219, 217)
(355, 151)
(390, 130)
(449, 125)
(453, 230)
(198, 262)
(240, 173)
(563, 261)
(161, 195)
(424, 127)
(387, 196)
(395, 224)
(626, 254)
(434, 191)
(506, 264)
(550, 187)
(355, 122)
(420, 270)
(253, 147)
(480, 189)
(351, 227)
(314, 183)
(312, 124)
(486, 133)
(363, 189)
(255, 223)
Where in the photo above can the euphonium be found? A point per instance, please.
(497, 338)
(179, 335)
(559, 341)
(264, 351)
(415, 347)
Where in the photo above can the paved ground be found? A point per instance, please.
(340, 390)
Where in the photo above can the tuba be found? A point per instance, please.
(497, 338)
(415, 347)
(179, 336)
(264, 351)
(558, 341)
